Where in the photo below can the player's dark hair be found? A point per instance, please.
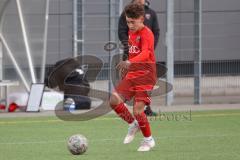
(134, 10)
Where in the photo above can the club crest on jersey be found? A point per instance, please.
(138, 39)
(148, 16)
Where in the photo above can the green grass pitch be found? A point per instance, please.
(205, 135)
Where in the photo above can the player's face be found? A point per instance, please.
(139, 1)
(135, 24)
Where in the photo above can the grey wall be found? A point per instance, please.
(221, 25)
(60, 34)
(220, 29)
(97, 28)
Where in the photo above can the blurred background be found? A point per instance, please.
(202, 54)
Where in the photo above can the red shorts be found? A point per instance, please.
(139, 88)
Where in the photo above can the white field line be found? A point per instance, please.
(114, 118)
(115, 139)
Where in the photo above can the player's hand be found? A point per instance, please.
(122, 73)
(123, 65)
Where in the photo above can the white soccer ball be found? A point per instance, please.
(77, 144)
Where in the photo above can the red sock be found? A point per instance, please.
(144, 124)
(124, 113)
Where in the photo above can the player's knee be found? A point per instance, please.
(138, 109)
(113, 101)
(136, 112)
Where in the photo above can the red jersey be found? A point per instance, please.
(141, 55)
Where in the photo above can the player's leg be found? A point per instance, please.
(141, 100)
(148, 82)
(117, 103)
(148, 110)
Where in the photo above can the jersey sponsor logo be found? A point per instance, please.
(134, 49)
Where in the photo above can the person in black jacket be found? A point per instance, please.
(151, 22)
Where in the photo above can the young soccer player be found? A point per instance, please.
(140, 77)
(151, 22)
